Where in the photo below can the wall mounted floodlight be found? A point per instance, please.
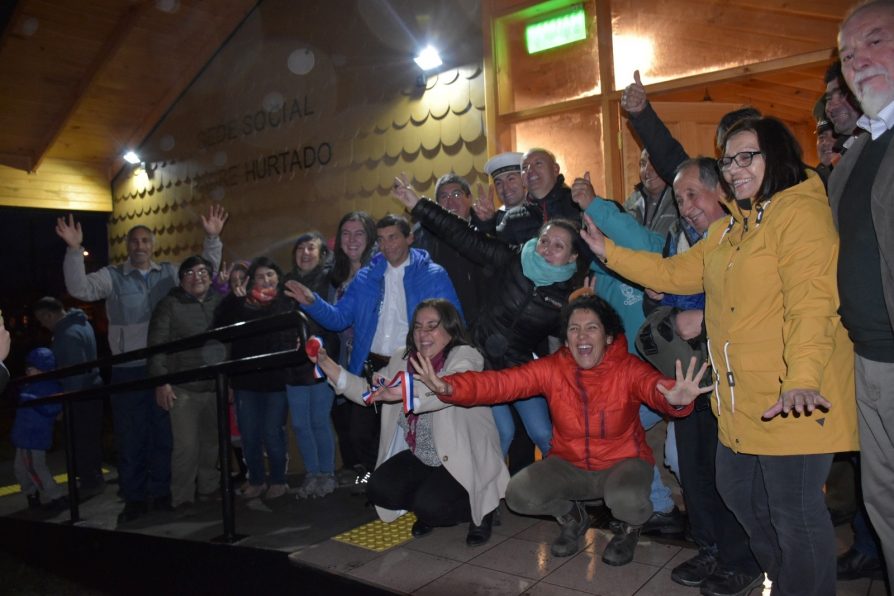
(428, 58)
(131, 157)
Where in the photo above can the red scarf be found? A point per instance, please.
(262, 296)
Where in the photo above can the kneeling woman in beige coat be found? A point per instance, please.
(439, 461)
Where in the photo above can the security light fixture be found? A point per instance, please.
(428, 58)
(132, 158)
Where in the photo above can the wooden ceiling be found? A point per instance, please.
(82, 81)
(85, 80)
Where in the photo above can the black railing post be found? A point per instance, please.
(223, 442)
(70, 465)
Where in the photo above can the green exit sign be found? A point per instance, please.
(560, 29)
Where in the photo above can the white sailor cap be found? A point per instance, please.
(511, 161)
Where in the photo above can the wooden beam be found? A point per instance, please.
(120, 34)
(609, 108)
(726, 75)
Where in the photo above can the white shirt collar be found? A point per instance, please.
(880, 124)
(401, 266)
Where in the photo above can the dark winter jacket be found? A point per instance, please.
(179, 315)
(515, 317)
(318, 280)
(75, 343)
(522, 223)
(235, 309)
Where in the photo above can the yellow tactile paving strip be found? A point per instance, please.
(378, 536)
(17, 488)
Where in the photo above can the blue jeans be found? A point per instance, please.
(779, 501)
(660, 495)
(143, 436)
(534, 414)
(310, 407)
(262, 418)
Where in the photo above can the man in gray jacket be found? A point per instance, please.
(131, 291)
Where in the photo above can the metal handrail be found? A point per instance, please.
(219, 371)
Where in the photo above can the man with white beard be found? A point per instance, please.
(861, 191)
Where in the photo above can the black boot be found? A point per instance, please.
(479, 535)
(622, 545)
(420, 528)
(573, 525)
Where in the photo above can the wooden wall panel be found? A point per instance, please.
(59, 184)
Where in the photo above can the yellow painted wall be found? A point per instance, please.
(245, 132)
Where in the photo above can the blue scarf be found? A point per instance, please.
(535, 267)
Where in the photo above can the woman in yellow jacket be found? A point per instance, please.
(783, 363)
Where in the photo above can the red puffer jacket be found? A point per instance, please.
(595, 412)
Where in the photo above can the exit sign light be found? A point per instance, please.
(560, 29)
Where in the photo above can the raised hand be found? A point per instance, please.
(800, 400)
(299, 293)
(686, 388)
(70, 231)
(241, 288)
(425, 373)
(484, 206)
(329, 366)
(223, 275)
(582, 191)
(214, 223)
(634, 99)
(404, 192)
(593, 236)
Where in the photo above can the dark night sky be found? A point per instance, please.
(31, 266)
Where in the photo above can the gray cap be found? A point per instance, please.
(511, 161)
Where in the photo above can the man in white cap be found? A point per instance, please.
(505, 170)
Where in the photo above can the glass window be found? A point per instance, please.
(550, 76)
(668, 40)
(575, 137)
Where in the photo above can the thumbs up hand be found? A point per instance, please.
(634, 99)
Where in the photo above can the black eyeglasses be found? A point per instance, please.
(743, 159)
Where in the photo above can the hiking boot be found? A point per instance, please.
(622, 546)
(572, 526)
(730, 583)
(696, 570)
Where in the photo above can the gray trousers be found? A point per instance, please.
(875, 404)
(549, 486)
(194, 457)
(34, 476)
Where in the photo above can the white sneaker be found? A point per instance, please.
(325, 485)
(307, 488)
(276, 491)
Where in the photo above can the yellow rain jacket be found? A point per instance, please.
(771, 312)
